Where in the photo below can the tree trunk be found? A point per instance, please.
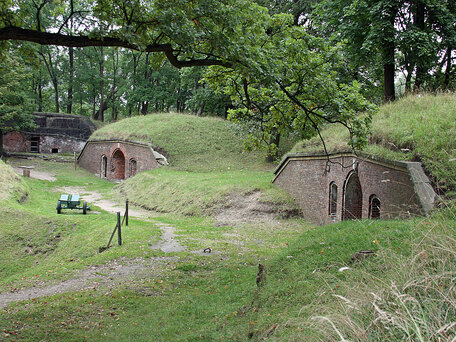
(388, 57)
(272, 153)
(420, 67)
(56, 92)
(99, 115)
(201, 109)
(70, 80)
(446, 80)
(40, 93)
(1, 144)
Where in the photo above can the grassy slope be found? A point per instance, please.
(425, 124)
(207, 161)
(192, 143)
(11, 185)
(411, 280)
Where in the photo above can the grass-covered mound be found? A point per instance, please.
(417, 127)
(11, 185)
(192, 143)
(207, 163)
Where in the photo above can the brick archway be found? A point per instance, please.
(353, 198)
(118, 165)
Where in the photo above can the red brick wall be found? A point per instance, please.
(308, 182)
(90, 158)
(16, 142)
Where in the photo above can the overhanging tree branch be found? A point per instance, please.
(58, 39)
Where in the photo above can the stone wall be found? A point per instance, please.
(116, 159)
(16, 142)
(308, 179)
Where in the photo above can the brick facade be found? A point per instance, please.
(113, 160)
(55, 133)
(361, 187)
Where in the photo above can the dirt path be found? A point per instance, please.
(95, 198)
(111, 274)
(168, 243)
(37, 174)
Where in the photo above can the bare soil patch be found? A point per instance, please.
(244, 208)
(37, 174)
(111, 274)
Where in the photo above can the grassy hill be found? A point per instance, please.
(11, 185)
(417, 127)
(191, 143)
(207, 163)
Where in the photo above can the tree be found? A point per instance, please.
(282, 76)
(14, 115)
(290, 85)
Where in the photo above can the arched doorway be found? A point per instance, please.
(104, 166)
(353, 198)
(118, 165)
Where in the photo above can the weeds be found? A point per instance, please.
(414, 300)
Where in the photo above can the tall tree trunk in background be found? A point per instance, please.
(144, 107)
(418, 21)
(99, 114)
(70, 80)
(388, 55)
(1, 144)
(40, 93)
(272, 154)
(52, 70)
(446, 80)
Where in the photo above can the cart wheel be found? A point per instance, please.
(59, 208)
(84, 208)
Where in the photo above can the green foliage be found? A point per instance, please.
(416, 127)
(13, 106)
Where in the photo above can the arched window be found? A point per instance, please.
(332, 199)
(374, 207)
(132, 167)
(104, 166)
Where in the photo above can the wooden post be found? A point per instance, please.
(75, 160)
(119, 230)
(126, 213)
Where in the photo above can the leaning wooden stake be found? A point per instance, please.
(126, 212)
(119, 230)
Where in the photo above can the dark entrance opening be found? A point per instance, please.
(55, 150)
(118, 165)
(104, 166)
(353, 198)
(133, 167)
(35, 144)
(374, 207)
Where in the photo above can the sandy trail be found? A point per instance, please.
(95, 198)
(111, 274)
(37, 174)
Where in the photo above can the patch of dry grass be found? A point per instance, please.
(11, 184)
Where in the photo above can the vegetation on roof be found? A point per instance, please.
(191, 143)
(417, 127)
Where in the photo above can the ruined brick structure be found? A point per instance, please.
(54, 133)
(117, 159)
(347, 186)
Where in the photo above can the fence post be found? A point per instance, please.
(119, 230)
(126, 213)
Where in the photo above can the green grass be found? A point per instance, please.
(197, 193)
(11, 185)
(423, 124)
(192, 143)
(185, 296)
